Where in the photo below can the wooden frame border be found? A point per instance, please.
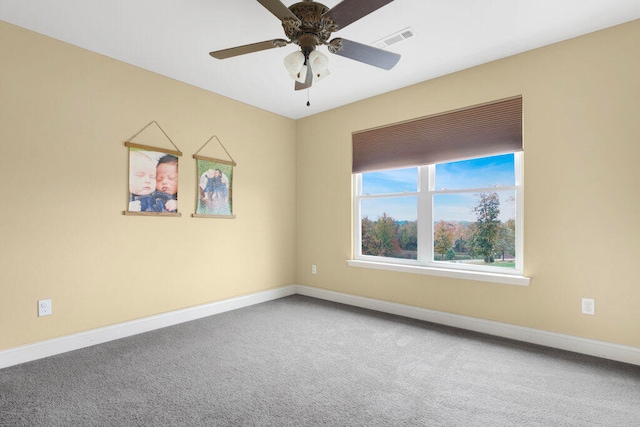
(149, 148)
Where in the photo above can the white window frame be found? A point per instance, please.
(425, 264)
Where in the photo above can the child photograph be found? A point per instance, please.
(214, 188)
(153, 182)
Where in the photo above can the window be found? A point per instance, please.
(463, 215)
(442, 194)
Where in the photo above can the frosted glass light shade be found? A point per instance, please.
(300, 76)
(294, 62)
(319, 76)
(319, 62)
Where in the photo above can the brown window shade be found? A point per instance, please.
(478, 131)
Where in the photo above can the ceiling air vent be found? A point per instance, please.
(394, 38)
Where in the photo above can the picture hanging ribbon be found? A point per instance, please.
(196, 156)
(130, 144)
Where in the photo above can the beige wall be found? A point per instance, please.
(581, 137)
(65, 113)
(64, 116)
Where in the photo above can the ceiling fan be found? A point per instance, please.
(309, 24)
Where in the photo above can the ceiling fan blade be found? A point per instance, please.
(308, 80)
(248, 48)
(367, 54)
(348, 11)
(278, 9)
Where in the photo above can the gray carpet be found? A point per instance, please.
(299, 361)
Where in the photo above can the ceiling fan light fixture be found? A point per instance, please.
(319, 76)
(309, 24)
(294, 62)
(319, 62)
(300, 76)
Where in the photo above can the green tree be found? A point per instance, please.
(408, 236)
(450, 255)
(379, 237)
(443, 238)
(385, 236)
(470, 231)
(461, 233)
(487, 225)
(368, 237)
(506, 242)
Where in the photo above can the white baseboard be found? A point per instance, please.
(587, 346)
(27, 353)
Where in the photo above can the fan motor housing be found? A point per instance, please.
(313, 28)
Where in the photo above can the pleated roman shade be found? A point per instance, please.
(478, 131)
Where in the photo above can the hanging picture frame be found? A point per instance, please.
(153, 179)
(214, 185)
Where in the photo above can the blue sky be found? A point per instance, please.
(485, 172)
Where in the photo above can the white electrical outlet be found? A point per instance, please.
(44, 307)
(313, 269)
(588, 306)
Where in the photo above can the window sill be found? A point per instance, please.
(480, 276)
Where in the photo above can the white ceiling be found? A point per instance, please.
(173, 38)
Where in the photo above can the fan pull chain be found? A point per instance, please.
(308, 103)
